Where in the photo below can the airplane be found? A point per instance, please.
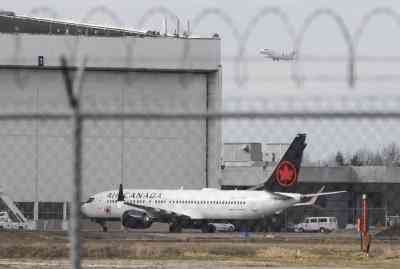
(276, 56)
(196, 209)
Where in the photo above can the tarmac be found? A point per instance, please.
(156, 248)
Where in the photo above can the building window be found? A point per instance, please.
(50, 210)
(26, 208)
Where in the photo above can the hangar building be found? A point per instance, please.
(126, 71)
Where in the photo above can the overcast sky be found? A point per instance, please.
(269, 86)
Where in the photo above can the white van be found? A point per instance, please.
(317, 224)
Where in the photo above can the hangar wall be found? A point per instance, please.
(36, 160)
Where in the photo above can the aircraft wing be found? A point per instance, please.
(159, 213)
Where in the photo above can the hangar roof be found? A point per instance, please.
(11, 23)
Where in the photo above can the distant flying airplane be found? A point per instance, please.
(139, 209)
(278, 56)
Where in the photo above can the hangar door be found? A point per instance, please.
(37, 155)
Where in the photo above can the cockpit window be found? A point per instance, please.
(91, 199)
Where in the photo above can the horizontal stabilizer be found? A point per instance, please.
(314, 197)
(321, 194)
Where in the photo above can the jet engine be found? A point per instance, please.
(136, 220)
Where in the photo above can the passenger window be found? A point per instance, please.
(323, 220)
(313, 221)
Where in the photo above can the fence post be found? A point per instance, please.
(75, 224)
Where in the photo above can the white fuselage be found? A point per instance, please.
(197, 204)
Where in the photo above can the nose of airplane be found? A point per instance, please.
(84, 209)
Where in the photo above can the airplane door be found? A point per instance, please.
(253, 207)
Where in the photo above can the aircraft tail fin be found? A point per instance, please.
(121, 196)
(286, 172)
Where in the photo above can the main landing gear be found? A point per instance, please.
(103, 225)
(207, 228)
(175, 227)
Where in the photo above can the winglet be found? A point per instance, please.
(313, 199)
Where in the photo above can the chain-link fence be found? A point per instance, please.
(76, 120)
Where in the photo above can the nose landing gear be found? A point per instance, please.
(103, 225)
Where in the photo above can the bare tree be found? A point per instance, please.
(388, 156)
(339, 158)
(377, 158)
(355, 160)
(391, 154)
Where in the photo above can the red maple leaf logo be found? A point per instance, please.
(286, 174)
(107, 210)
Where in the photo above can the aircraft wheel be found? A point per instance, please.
(175, 228)
(207, 228)
(104, 228)
(211, 229)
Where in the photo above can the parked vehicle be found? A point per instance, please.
(220, 227)
(317, 224)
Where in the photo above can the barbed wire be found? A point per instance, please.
(346, 35)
